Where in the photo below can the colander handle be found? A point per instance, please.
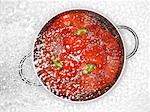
(135, 38)
(22, 76)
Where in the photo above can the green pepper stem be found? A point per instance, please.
(90, 68)
(58, 64)
(80, 31)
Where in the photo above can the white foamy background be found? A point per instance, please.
(20, 21)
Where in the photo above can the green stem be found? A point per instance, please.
(80, 31)
(58, 64)
(90, 68)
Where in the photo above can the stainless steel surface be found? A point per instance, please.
(22, 76)
(135, 38)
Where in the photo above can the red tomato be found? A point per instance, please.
(89, 83)
(94, 55)
(67, 75)
(79, 19)
(74, 19)
(69, 67)
(74, 44)
(96, 29)
(112, 48)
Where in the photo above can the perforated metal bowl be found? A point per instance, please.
(109, 26)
